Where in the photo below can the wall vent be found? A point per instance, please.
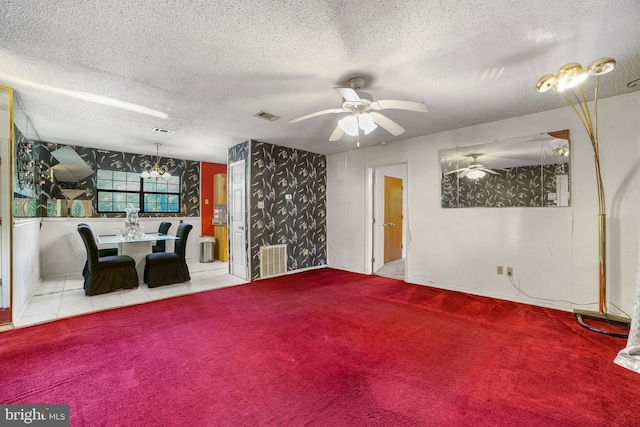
(267, 116)
(273, 260)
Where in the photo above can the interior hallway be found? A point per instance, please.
(394, 269)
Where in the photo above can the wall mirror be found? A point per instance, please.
(28, 167)
(527, 171)
(32, 170)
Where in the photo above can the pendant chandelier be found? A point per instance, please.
(156, 171)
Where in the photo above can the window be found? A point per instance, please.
(120, 190)
(161, 195)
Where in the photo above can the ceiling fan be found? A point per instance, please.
(364, 111)
(475, 170)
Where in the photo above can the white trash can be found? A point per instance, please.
(207, 244)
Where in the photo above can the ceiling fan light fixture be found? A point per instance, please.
(349, 125)
(365, 112)
(476, 174)
(366, 123)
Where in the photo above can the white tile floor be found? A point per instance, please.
(64, 296)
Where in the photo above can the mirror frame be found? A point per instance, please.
(527, 171)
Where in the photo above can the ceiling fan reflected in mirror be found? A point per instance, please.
(364, 112)
(475, 170)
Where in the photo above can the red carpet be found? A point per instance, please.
(323, 348)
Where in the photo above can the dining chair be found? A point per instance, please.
(167, 268)
(105, 274)
(101, 253)
(161, 244)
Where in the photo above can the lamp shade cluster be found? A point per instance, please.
(156, 171)
(476, 174)
(572, 74)
(364, 121)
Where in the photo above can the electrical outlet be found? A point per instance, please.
(509, 271)
(500, 270)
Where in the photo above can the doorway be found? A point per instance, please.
(237, 219)
(392, 219)
(388, 203)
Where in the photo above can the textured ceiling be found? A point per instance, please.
(104, 73)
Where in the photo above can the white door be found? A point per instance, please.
(237, 218)
(378, 223)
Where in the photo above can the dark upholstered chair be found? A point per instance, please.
(101, 253)
(106, 274)
(161, 244)
(167, 268)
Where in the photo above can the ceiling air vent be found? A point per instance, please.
(165, 131)
(267, 116)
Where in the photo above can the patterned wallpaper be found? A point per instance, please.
(189, 171)
(276, 173)
(300, 222)
(517, 187)
(239, 152)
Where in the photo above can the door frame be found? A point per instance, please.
(6, 216)
(370, 203)
(247, 231)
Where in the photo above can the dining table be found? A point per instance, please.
(136, 247)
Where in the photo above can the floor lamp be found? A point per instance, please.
(567, 82)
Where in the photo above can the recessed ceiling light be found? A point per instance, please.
(267, 116)
(165, 131)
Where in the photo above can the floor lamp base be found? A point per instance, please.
(602, 317)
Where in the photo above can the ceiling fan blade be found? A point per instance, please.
(337, 134)
(489, 170)
(393, 104)
(387, 124)
(348, 94)
(464, 173)
(318, 113)
(455, 171)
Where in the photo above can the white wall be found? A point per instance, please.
(26, 262)
(553, 251)
(62, 251)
